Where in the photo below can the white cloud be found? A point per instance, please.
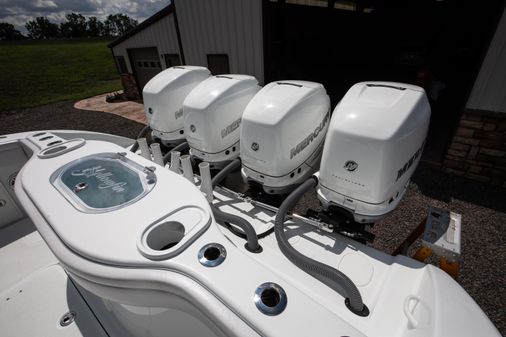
(45, 4)
(18, 12)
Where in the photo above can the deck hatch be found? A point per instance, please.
(103, 182)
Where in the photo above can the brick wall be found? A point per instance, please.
(130, 86)
(478, 148)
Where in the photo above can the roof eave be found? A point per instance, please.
(144, 24)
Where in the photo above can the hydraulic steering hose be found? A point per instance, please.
(333, 278)
(181, 147)
(251, 236)
(218, 178)
(141, 134)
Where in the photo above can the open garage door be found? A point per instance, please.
(145, 64)
(436, 44)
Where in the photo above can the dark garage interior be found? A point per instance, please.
(438, 45)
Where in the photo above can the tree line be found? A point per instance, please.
(75, 25)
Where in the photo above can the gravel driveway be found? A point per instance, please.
(483, 207)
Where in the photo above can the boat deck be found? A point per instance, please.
(37, 297)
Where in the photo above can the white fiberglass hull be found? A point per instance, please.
(133, 293)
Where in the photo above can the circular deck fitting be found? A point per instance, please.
(212, 255)
(270, 299)
(68, 318)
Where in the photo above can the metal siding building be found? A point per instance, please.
(160, 34)
(223, 35)
(489, 91)
(303, 39)
(234, 28)
(226, 27)
(478, 146)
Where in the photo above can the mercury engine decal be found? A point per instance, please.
(302, 145)
(350, 165)
(229, 129)
(410, 162)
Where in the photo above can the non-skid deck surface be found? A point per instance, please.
(35, 292)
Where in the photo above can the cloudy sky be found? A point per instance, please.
(18, 12)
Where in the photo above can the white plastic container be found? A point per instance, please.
(374, 143)
(163, 100)
(213, 112)
(282, 134)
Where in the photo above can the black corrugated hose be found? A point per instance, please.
(181, 147)
(333, 278)
(218, 178)
(251, 235)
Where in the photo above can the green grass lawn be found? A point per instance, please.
(34, 73)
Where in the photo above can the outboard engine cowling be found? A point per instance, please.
(374, 143)
(163, 101)
(282, 134)
(213, 112)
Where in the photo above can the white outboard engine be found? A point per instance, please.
(374, 143)
(282, 134)
(163, 101)
(213, 112)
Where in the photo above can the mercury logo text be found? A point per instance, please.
(410, 162)
(302, 145)
(229, 129)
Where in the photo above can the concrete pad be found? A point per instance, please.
(133, 110)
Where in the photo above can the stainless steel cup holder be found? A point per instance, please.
(212, 255)
(270, 299)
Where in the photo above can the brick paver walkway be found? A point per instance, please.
(133, 110)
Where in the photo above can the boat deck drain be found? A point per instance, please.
(212, 255)
(270, 299)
